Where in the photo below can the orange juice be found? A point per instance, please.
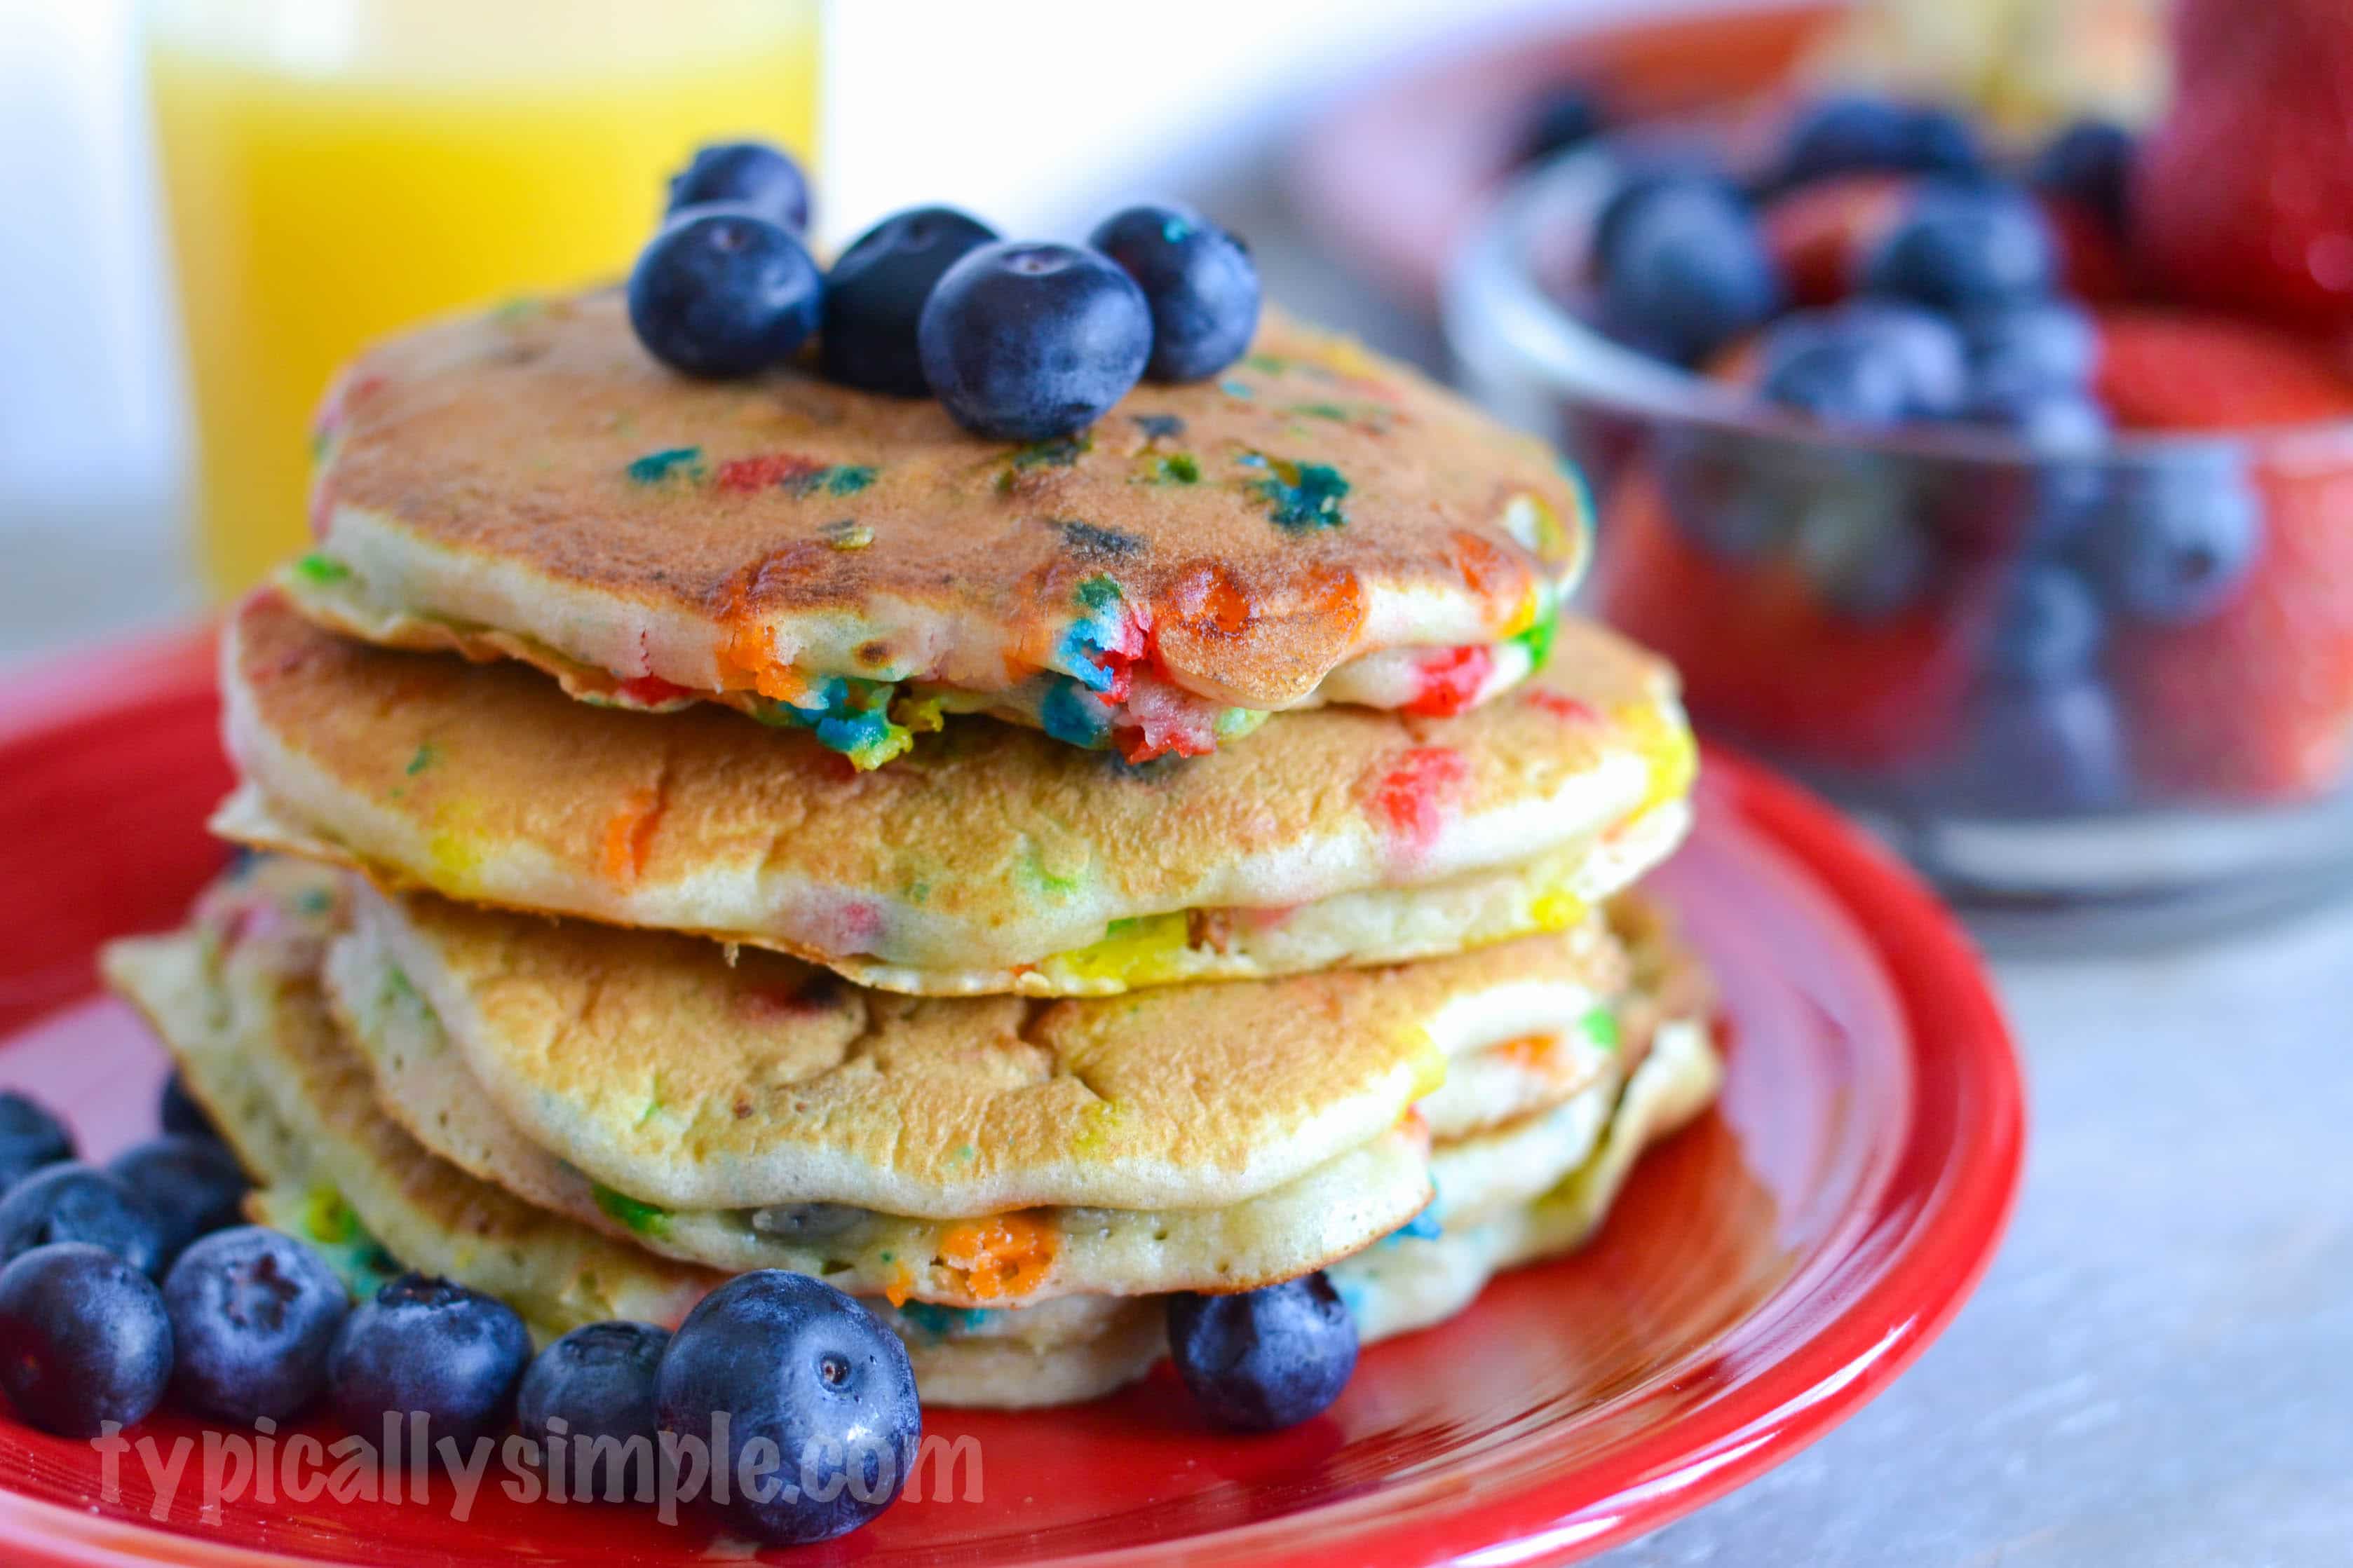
(333, 169)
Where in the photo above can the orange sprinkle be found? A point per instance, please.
(1003, 1255)
(901, 1286)
(627, 835)
(1528, 1050)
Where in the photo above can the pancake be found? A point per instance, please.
(1318, 524)
(996, 860)
(653, 1066)
(235, 999)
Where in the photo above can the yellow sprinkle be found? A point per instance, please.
(1557, 910)
(1665, 744)
(1139, 951)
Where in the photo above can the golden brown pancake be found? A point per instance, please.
(532, 479)
(994, 859)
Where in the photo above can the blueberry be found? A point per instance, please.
(30, 1137)
(1027, 342)
(1198, 280)
(1847, 133)
(83, 1340)
(875, 294)
(2169, 543)
(2053, 419)
(1264, 1358)
(1963, 247)
(816, 1379)
(722, 292)
(1683, 268)
(1842, 376)
(2049, 627)
(75, 1202)
(599, 1381)
(180, 1112)
(2089, 162)
(1569, 114)
(2045, 748)
(754, 175)
(426, 1344)
(2030, 346)
(1922, 342)
(192, 1186)
(254, 1314)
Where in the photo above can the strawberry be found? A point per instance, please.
(2255, 702)
(1818, 230)
(1763, 654)
(2242, 196)
(2170, 370)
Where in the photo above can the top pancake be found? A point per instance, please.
(535, 471)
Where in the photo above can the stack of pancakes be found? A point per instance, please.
(757, 824)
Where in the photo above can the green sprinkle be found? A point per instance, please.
(849, 534)
(328, 1218)
(1233, 388)
(655, 467)
(315, 901)
(1055, 452)
(966, 1151)
(1319, 411)
(508, 312)
(642, 1218)
(1600, 1028)
(320, 569)
(424, 758)
(1538, 636)
(1267, 365)
(1099, 592)
(1175, 469)
(848, 478)
(653, 1102)
(1303, 496)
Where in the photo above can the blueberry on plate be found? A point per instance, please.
(254, 1313)
(2045, 748)
(2171, 541)
(1569, 114)
(1260, 1360)
(193, 1187)
(1965, 247)
(1025, 341)
(181, 1114)
(83, 1338)
(2030, 346)
(1853, 133)
(875, 294)
(30, 1137)
(723, 291)
(427, 1345)
(598, 1383)
(2089, 162)
(2050, 628)
(812, 1377)
(75, 1202)
(1683, 268)
(754, 175)
(1198, 280)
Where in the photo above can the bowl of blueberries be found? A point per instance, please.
(1944, 498)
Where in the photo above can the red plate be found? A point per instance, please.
(1766, 1272)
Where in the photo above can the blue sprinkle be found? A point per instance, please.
(1073, 715)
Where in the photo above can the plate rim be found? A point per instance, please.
(1964, 1056)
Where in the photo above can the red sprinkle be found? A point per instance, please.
(1452, 680)
(744, 475)
(652, 690)
(1411, 798)
(1567, 709)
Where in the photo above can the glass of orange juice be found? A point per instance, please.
(335, 168)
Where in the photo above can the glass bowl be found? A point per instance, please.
(1849, 605)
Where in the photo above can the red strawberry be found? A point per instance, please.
(1817, 231)
(2256, 702)
(2170, 370)
(2242, 195)
(1761, 655)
